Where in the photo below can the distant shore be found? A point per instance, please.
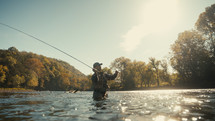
(15, 90)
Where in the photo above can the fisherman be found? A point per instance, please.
(99, 81)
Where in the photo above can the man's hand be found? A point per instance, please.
(116, 72)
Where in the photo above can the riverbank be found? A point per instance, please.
(15, 90)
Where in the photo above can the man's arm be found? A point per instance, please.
(111, 77)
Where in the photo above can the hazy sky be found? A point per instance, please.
(98, 30)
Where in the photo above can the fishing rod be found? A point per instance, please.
(45, 43)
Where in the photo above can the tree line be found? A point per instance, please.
(29, 70)
(139, 75)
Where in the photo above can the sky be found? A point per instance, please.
(98, 30)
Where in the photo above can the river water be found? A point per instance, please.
(159, 105)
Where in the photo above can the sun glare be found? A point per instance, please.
(160, 15)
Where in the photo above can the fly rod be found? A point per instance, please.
(45, 43)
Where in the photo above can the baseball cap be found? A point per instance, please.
(96, 64)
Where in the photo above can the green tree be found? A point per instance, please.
(190, 57)
(206, 25)
(3, 71)
(36, 65)
(64, 82)
(155, 65)
(149, 76)
(131, 77)
(32, 81)
(13, 49)
(140, 70)
(164, 74)
(17, 80)
(124, 66)
(10, 61)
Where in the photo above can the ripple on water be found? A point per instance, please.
(168, 105)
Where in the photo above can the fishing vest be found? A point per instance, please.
(100, 81)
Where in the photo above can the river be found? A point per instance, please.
(158, 105)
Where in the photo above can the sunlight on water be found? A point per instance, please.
(191, 100)
(161, 105)
(162, 118)
(159, 118)
(177, 108)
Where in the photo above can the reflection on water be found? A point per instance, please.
(165, 105)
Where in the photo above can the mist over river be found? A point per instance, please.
(158, 105)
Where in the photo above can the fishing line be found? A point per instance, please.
(46, 44)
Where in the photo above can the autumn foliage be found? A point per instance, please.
(28, 70)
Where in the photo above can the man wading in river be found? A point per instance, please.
(99, 80)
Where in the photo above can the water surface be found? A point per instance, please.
(159, 105)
